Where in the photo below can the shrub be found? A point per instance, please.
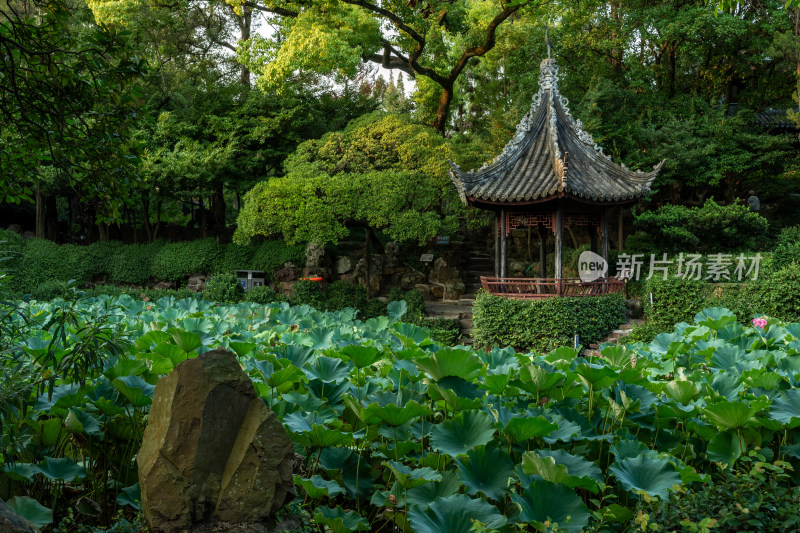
(710, 228)
(176, 260)
(446, 331)
(544, 324)
(235, 258)
(309, 293)
(374, 308)
(778, 295)
(41, 261)
(415, 303)
(787, 248)
(50, 290)
(643, 333)
(11, 243)
(270, 256)
(224, 288)
(99, 257)
(150, 294)
(756, 496)
(263, 295)
(131, 263)
(674, 300)
(341, 294)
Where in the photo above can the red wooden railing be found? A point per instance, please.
(536, 288)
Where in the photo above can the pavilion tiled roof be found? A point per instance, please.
(551, 156)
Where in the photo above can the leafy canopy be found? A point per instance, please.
(383, 171)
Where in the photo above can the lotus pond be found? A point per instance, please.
(402, 434)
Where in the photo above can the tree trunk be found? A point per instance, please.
(40, 214)
(146, 212)
(367, 262)
(203, 217)
(218, 207)
(444, 108)
(51, 217)
(158, 219)
(245, 23)
(102, 231)
(672, 67)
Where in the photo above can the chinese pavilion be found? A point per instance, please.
(550, 175)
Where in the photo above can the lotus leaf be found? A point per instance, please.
(454, 514)
(33, 511)
(556, 504)
(653, 475)
(341, 521)
(462, 433)
(486, 469)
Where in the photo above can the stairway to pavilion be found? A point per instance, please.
(613, 337)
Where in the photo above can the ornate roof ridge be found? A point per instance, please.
(559, 157)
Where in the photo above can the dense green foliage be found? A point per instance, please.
(542, 325)
(787, 248)
(398, 431)
(710, 228)
(39, 261)
(68, 103)
(756, 495)
(176, 261)
(674, 300)
(224, 288)
(383, 172)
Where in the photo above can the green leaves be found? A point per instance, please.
(340, 521)
(454, 514)
(725, 447)
(34, 512)
(451, 362)
(521, 429)
(61, 469)
(729, 415)
(646, 473)
(558, 466)
(465, 431)
(786, 408)
(486, 469)
(555, 504)
(317, 487)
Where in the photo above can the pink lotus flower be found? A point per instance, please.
(760, 322)
(149, 307)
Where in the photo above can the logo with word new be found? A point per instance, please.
(592, 267)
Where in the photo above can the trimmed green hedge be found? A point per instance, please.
(674, 300)
(177, 260)
(542, 325)
(775, 294)
(38, 261)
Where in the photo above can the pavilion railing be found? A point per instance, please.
(537, 288)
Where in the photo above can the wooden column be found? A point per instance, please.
(606, 212)
(593, 237)
(559, 241)
(496, 230)
(542, 251)
(503, 244)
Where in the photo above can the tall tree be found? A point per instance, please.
(434, 41)
(67, 101)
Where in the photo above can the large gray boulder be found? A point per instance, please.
(11, 522)
(212, 452)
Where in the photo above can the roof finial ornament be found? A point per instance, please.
(548, 42)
